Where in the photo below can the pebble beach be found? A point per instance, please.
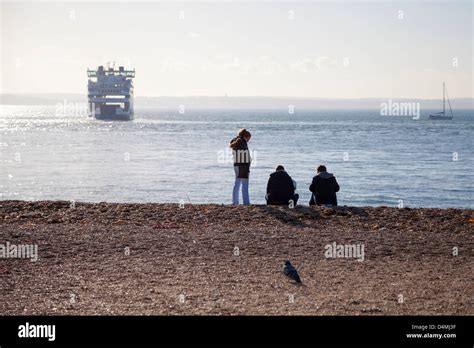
(170, 259)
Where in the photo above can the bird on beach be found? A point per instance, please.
(291, 272)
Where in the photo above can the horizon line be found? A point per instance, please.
(234, 96)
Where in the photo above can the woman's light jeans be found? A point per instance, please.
(245, 188)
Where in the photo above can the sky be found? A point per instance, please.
(341, 49)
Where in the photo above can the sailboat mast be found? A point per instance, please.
(444, 102)
(449, 103)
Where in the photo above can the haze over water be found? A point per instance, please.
(164, 156)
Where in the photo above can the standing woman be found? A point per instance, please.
(241, 154)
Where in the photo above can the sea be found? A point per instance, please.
(182, 156)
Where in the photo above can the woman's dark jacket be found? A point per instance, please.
(241, 153)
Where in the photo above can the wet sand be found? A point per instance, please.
(159, 259)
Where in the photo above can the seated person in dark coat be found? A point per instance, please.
(281, 188)
(324, 188)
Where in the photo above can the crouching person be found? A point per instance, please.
(324, 188)
(281, 188)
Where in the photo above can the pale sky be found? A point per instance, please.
(342, 49)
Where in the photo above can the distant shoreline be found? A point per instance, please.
(282, 103)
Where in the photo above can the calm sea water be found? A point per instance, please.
(164, 156)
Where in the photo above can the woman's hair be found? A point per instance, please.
(321, 168)
(243, 133)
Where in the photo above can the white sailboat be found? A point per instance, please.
(442, 114)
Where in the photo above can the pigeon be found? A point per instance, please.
(291, 272)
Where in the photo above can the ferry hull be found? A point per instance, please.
(113, 117)
(110, 113)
